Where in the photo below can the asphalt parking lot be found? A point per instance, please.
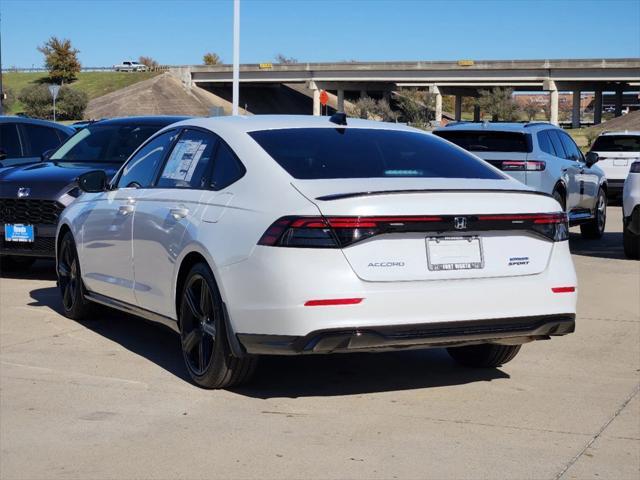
(111, 398)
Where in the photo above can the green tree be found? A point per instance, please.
(149, 62)
(416, 106)
(37, 101)
(499, 104)
(211, 58)
(61, 59)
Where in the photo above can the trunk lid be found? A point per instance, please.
(421, 251)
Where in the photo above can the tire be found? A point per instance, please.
(559, 196)
(594, 229)
(205, 348)
(631, 244)
(13, 263)
(485, 355)
(74, 304)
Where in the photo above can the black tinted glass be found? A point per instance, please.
(226, 168)
(487, 141)
(104, 143)
(9, 140)
(557, 144)
(189, 160)
(314, 153)
(41, 138)
(140, 170)
(545, 143)
(617, 143)
(573, 152)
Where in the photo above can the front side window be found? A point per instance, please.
(323, 153)
(9, 140)
(140, 170)
(573, 152)
(41, 138)
(617, 143)
(189, 161)
(104, 143)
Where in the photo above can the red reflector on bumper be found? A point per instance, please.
(563, 289)
(333, 301)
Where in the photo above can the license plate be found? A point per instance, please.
(454, 253)
(18, 232)
(620, 163)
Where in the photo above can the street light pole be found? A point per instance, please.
(236, 57)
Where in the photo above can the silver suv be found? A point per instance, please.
(545, 158)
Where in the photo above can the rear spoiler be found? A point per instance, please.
(340, 196)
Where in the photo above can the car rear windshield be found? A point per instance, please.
(323, 153)
(617, 143)
(487, 141)
(104, 143)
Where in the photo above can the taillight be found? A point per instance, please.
(635, 167)
(520, 165)
(339, 232)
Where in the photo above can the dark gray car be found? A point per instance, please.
(24, 140)
(33, 196)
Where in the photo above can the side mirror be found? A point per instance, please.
(92, 182)
(46, 154)
(591, 158)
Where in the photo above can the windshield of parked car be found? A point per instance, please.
(322, 153)
(103, 143)
(489, 141)
(617, 143)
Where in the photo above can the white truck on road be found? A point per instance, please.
(130, 66)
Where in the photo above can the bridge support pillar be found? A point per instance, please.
(575, 114)
(458, 108)
(476, 113)
(438, 112)
(340, 100)
(597, 107)
(316, 98)
(618, 104)
(553, 103)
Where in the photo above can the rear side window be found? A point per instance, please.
(323, 153)
(226, 168)
(545, 143)
(140, 170)
(487, 141)
(572, 150)
(617, 143)
(557, 144)
(9, 140)
(41, 138)
(189, 161)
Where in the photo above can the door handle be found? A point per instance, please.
(126, 209)
(179, 212)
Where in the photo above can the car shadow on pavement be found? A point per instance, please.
(40, 270)
(609, 246)
(287, 376)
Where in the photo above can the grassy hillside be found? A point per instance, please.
(95, 84)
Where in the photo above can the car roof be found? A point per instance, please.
(159, 120)
(622, 132)
(252, 123)
(34, 121)
(497, 126)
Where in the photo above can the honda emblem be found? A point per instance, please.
(460, 223)
(24, 192)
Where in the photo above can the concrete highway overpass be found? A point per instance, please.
(460, 79)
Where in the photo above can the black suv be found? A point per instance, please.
(33, 196)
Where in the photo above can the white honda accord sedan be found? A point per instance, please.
(299, 235)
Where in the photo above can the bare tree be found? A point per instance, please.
(531, 108)
(415, 105)
(149, 62)
(364, 107)
(499, 104)
(211, 58)
(280, 58)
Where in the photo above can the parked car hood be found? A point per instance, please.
(46, 180)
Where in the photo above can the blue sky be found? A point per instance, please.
(181, 31)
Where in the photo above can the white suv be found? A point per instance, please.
(631, 212)
(616, 152)
(545, 158)
(303, 235)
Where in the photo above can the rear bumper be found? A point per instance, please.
(510, 331)
(614, 187)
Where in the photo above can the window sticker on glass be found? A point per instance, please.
(184, 160)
